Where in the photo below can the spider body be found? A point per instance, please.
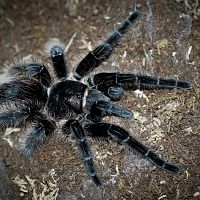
(66, 99)
(30, 97)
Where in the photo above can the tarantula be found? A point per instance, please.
(74, 103)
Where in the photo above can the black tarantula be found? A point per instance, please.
(75, 103)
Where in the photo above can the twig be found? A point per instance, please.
(70, 42)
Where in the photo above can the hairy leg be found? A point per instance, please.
(32, 69)
(57, 55)
(103, 51)
(101, 109)
(35, 135)
(26, 90)
(114, 84)
(13, 114)
(106, 130)
(78, 133)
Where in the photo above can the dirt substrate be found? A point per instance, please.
(164, 42)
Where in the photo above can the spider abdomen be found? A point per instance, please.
(66, 99)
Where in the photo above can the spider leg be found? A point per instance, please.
(31, 69)
(104, 82)
(12, 115)
(103, 51)
(36, 133)
(77, 130)
(114, 93)
(106, 130)
(57, 55)
(101, 109)
(29, 91)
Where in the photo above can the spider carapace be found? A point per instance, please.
(51, 102)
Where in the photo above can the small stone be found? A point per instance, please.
(196, 194)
